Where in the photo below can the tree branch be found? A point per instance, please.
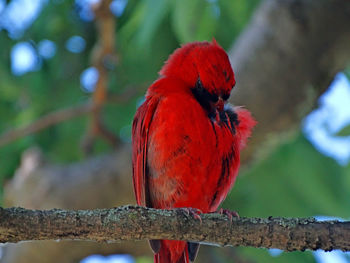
(62, 115)
(103, 58)
(45, 121)
(139, 223)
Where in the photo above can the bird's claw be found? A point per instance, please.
(229, 213)
(194, 212)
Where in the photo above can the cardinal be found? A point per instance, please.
(187, 138)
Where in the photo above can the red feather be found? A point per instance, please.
(187, 139)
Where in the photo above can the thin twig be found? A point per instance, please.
(56, 117)
(103, 57)
(45, 122)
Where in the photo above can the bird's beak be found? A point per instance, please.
(219, 104)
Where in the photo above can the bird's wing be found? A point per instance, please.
(140, 129)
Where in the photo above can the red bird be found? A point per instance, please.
(187, 139)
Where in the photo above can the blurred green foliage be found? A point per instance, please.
(295, 180)
(144, 260)
(344, 132)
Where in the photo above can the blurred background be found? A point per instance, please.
(72, 74)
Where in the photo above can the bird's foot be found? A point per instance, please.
(194, 212)
(229, 213)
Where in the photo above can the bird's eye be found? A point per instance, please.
(214, 98)
(225, 96)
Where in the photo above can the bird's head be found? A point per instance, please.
(206, 69)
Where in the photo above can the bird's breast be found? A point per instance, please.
(192, 160)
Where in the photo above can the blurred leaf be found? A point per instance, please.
(240, 11)
(127, 31)
(194, 20)
(347, 176)
(145, 21)
(344, 132)
(347, 72)
(234, 15)
(154, 14)
(144, 260)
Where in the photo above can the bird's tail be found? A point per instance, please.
(172, 252)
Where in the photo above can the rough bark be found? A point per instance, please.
(283, 61)
(140, 223)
